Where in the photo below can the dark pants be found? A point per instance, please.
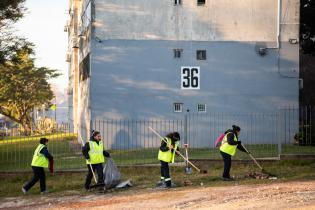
(99, 169)
(165, 172)
(39, 174)
(227, 164)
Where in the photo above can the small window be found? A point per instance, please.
(201, 2)
(178, 107)
(201, 107)
(84, 68)
(177, 2)
(178, 53)
(201, 54)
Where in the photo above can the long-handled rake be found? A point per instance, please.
(255, 161)
(200, 171)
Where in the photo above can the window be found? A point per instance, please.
(177, 2)
(201, 2)
(178, 53)
(84, 68)
(201, 54)
(201, 107)
(178, 107)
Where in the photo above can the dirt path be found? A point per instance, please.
(291, 195)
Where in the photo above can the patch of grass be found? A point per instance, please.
(16, 155)
(146, 177)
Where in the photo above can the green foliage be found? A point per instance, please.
(23, 86)
(11, 10)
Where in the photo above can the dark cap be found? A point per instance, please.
(236, 128)
(176, 136)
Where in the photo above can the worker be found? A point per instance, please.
(228, 149)
(94, 154)
(41, 159)
(168, 148)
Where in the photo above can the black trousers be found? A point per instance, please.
(227, 159)
(39, 174)
(165, 172)
(100, 177)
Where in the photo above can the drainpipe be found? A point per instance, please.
(278, 27)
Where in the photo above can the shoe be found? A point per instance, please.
(164, 186)
(228, 179)
(44, 192)
(24, 191)
(160, 183)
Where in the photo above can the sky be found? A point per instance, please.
(43, 25)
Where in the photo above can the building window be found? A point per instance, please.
(177, 2)
(201, 2)
(178, 53)
(84, 68)
(178, 107)
(201, 107)
(201, 54)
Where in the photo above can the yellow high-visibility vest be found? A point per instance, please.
(39, 160)
(96, 153)
(168, 156)
(226, 147)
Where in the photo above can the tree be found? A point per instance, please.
(10, 12)
(24, 87)
(307, 26)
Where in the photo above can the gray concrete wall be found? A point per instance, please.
(219, 20)
(141, 80)
(135, 75)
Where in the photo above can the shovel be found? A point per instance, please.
(188, 170)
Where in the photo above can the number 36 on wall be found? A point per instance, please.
(190, 77)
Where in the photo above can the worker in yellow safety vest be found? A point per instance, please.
(41, 159)
(166, 155)
(94, 153)
(228, 149)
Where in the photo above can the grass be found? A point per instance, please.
(145, 177)
(16, 154)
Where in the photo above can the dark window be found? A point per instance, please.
(201, 2)
(201, 107)
(201, 54)
(178, 53)
(178, 107)
(177, 2)
(84, 68)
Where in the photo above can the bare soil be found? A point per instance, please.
(288, 195)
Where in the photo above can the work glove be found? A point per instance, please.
(239, 142)
(106, 154)
(51, 166)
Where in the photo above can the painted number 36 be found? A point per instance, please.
(190, 78)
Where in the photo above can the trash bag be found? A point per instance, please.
(111, 174)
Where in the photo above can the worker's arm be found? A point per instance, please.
(85, 150)
(164, 146)
(106, 154)
(230, 139)
(240, 147)
(45, 152)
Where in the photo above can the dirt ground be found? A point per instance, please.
(289, 195)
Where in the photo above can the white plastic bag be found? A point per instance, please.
(111, 174)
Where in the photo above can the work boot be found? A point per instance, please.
(24, 191)
(228, 179)
(164, 186)
(160, 183)
(44, 192)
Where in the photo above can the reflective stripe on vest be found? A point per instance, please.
(168, 156)
(226, 147)
(39, 160)
(96, 153)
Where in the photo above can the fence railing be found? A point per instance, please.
(288, 131)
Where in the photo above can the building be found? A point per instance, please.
(149, 59)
